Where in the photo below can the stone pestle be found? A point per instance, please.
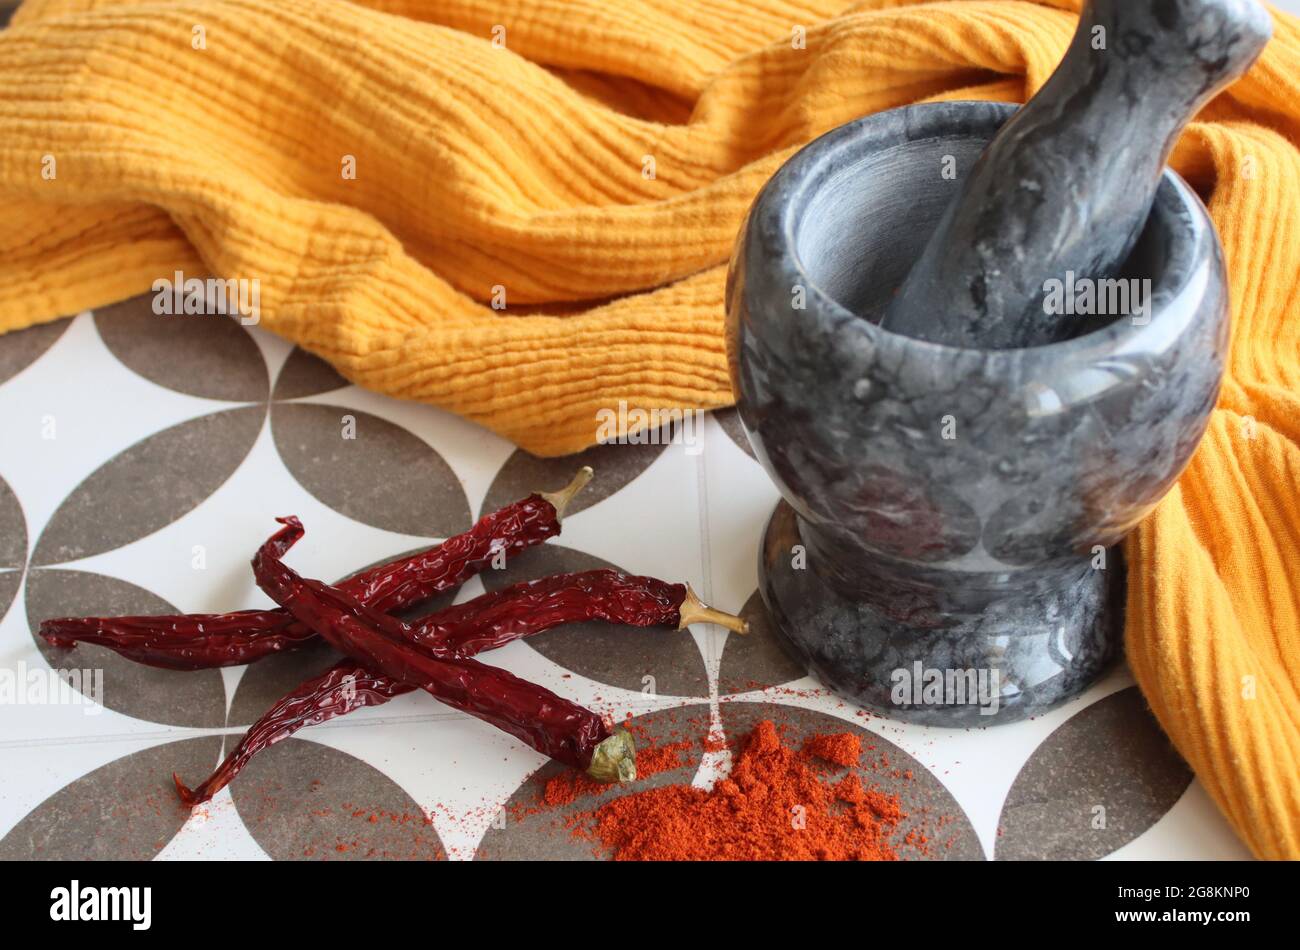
(1063, 192)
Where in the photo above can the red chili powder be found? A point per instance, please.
(776, 805)
(841, 749)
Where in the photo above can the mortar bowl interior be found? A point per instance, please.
(867, 204)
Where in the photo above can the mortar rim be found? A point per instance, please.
(801, 178)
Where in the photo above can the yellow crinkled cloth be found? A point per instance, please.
(523, 164)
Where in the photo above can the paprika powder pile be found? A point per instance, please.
(778, 804)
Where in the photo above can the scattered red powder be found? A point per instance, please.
(570, 785)
(776, 805)
(567, 788)
(841, 749)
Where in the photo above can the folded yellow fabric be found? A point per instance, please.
(591, 161)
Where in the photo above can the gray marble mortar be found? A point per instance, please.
(944, 553)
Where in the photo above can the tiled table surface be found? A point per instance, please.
(144, 459)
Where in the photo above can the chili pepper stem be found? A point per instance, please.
(614, 760)
(560, 499)
(187, 795)
(694, 610)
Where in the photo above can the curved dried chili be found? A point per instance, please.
(552, 725)
(484, 623)
(344, 687)
(204, 641)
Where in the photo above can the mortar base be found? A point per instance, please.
(1021, 657)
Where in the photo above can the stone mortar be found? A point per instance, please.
(951, 506)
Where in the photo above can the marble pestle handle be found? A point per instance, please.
(1067, 184)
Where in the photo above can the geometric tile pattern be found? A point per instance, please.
(146, 457)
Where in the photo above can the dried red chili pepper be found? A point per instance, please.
(483, 623)
(183, 642)
(552, 725)
(345, 686)
(204, 641)
(520, 610)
